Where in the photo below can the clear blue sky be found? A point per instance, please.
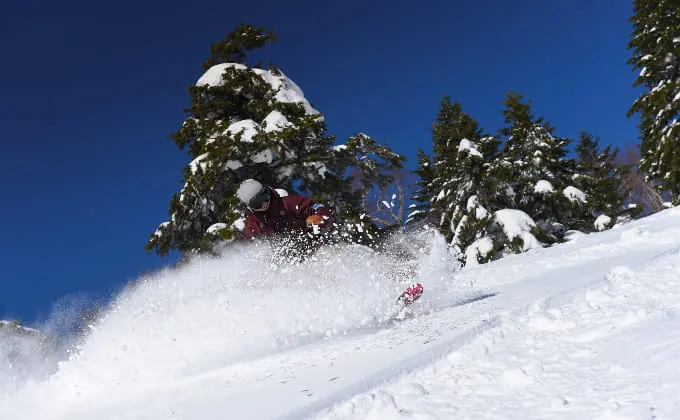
(89, 93)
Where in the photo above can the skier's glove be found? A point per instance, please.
(314, 219)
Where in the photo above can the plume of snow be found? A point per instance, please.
(248, 302)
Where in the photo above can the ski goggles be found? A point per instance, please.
(259, 200)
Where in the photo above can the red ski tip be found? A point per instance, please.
(411, 294)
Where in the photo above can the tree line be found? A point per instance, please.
(488, 193)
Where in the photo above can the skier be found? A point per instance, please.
(269, 214)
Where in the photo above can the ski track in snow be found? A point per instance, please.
(578, 330)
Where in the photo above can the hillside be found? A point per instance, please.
(586, 329)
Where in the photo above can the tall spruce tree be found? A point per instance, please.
(655, 46)
(452, 126)
(474, 191)
(461, 189)
(534, 167)
(249, 122)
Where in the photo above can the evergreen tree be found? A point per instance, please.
(249, 122)
(475, 192)
(602, 180)
(655, 46)
(454, 142)
(459, 183)
(534, 168)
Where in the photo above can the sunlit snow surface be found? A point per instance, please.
(585, 329)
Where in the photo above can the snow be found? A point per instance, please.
(213, 76)
(516, 223)
(16, 326)
(469, 147)
(543, 187)
(585, 329)
(233, 164)
(574, 194)
(481, 246)
(246, 128)
(602, 222)
(275, 121)
(318, 168)
(266, 156)
(287, 90)
(198, 162)
(573, 235)
(240, 223)
(473, 203)
(216, 228)
(159, 231)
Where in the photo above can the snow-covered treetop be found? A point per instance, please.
(287, 90)
(531, 152)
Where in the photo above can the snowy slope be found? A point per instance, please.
(587, 329)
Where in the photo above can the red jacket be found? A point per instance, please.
(284, 215)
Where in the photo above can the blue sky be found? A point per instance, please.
(90, 92)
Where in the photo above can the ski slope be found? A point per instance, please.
(585, 329)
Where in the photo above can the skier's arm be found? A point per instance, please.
(252, 228)
(306, 207)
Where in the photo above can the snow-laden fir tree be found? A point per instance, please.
(249, 122)
(655, 46)
(534, 169)
(603, 182)
(475, 193)
(460, 151)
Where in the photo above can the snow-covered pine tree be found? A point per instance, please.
(534, 166)
(475, 191)
(249, 122)
(603, 182)
(451, 128)
(655, 46)
(460, 184)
